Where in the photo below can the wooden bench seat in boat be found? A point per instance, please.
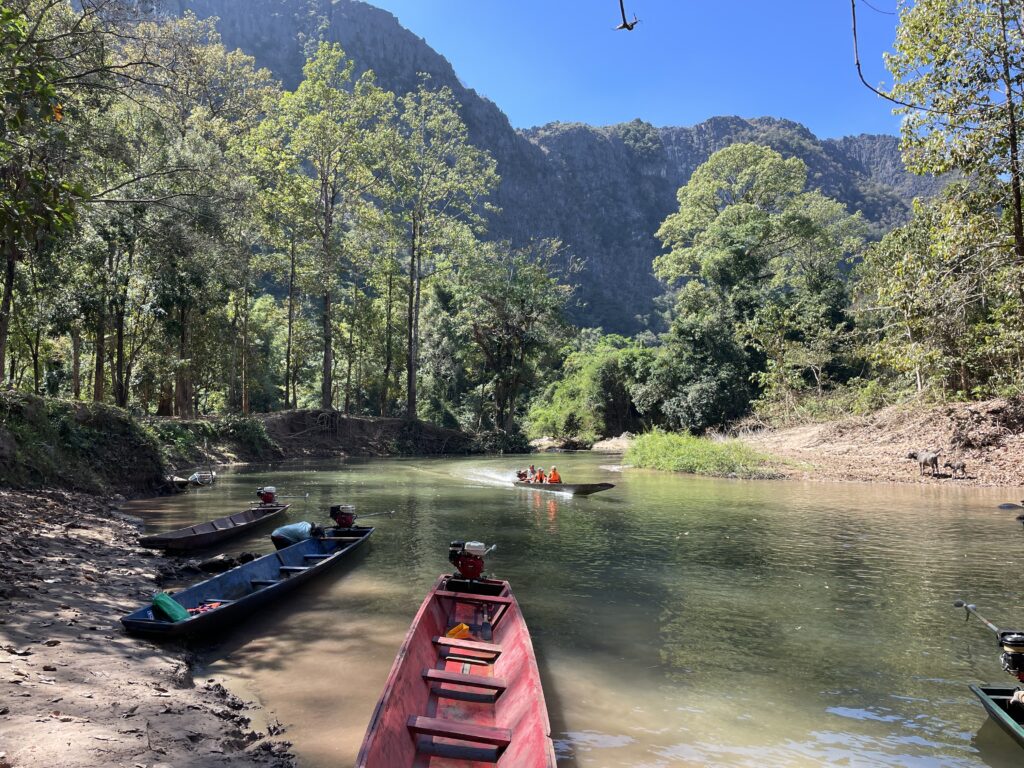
(450, 729)
(290, 569)
(469, 597)
(496, 684)
(468, 645)
(264, 582)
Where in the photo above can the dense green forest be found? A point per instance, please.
(182, 236)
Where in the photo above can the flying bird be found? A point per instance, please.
(627, 25)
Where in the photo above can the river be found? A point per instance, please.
(678, 621)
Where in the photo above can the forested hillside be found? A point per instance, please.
(602, 191)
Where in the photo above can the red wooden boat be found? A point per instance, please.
(463, 702)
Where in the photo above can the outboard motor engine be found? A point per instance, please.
(468, 558)
(267, 494)
(344, 515)
(1012, 643)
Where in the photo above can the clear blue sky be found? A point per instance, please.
(546, 60)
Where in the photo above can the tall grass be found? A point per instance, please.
(677, 452)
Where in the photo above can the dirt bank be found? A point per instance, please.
(300, 435)
(74, 689)
(988, 436)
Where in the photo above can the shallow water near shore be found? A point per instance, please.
(678, 621)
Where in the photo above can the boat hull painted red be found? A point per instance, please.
(463, 703)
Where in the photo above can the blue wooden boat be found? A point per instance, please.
(212, 532)
(218, 603)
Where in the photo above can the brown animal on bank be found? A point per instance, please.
(956, 467)
(926, 459)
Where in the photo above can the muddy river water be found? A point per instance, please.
(678, 621)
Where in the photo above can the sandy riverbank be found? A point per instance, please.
(75, 690)
(987, 436)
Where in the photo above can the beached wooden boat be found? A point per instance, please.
(213, 532)
(996, 700)
(218, 603)
(472, 701)
(202, 478)
(575, 489)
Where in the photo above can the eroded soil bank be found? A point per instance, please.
(987, 436)
(75, 690)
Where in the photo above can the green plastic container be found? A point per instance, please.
(165, 606)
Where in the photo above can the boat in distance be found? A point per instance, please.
(996, 700)
(212, 532)
(216, 605)
(464, 689)
(574, 489)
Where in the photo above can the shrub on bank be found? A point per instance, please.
(681, 452)
(49, 443)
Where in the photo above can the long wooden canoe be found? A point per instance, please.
(465, 702)
(221, 601)
(576, 489)
(214, 531)
(996, 700)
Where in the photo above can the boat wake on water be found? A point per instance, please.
(489, 477)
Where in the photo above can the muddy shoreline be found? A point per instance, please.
(988, 437)
(75, 690)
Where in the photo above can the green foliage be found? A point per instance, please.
(94, 447)
(680, 452)
(594, 397)
(763, 305)
(943, 307)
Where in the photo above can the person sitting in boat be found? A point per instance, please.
(531, 474)
(521, 475)
(553, 476)
(293, 533)
(540, 477)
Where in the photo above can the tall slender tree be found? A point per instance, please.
(438, 182)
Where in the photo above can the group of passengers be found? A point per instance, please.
(534, 475)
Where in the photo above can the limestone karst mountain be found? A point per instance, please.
(602, 190)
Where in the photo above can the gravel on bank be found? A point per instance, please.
(75, 690)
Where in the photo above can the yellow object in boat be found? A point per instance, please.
(458, 632)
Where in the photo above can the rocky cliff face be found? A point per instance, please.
(602, 190)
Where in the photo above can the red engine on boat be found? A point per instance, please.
(267, 494)
(468, 558)
(344, 515)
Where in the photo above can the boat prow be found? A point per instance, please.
(573, 489)
(463, 701)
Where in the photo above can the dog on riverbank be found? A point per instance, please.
(958, 467)
(926, 459)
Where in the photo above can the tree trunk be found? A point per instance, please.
(76, 363)
(326, 387)
(99, 356)
(288, 373)
(351, 352)
(412, 354)
(1013, 138)
(245, 351)
(119, 372)
(182, 393)
(5, 307)
(34, 346)
(165, 400)
(388, 351)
